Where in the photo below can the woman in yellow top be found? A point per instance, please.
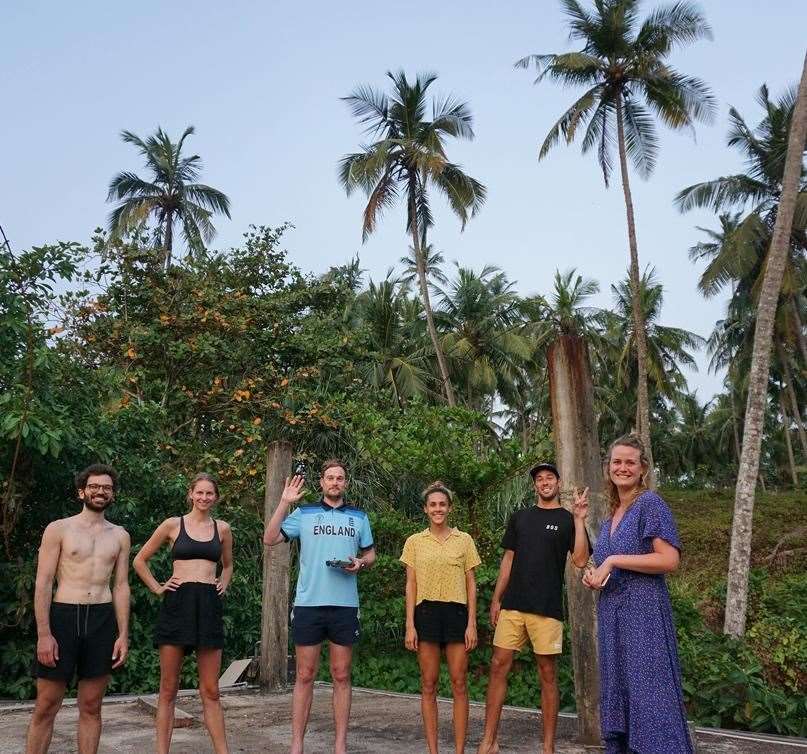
(441, 609)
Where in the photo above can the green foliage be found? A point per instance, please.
(165, 374)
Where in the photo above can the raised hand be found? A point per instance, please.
(580, 503)
(293, 490)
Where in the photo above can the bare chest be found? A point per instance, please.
(89, 548)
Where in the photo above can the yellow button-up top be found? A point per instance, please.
(440, 566)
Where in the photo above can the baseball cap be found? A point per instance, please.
(544, 467)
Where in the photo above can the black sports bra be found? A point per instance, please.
(186, 548)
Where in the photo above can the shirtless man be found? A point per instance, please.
(83, 628)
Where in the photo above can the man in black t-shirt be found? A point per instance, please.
(527, 604)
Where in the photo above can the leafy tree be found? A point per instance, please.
(406, 160)
(433, 264)
(481, 318)
(396, 358)
(172, 195)
(668, 348)
(623, 65)
(738, 253)
(565, 311)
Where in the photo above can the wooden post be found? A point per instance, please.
(275, 603)
(579, 462)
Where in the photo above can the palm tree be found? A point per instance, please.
(407, 159)
(565, 311)
(433, 262)
(171, 196)
(623, 66)
(484, 339)
(739, 252)
(668, 348)
(396, 356)
(740, 552)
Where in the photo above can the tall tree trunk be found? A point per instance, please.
(577, 450)
(274, 667)
(642, 396)
(169, 239)
(735, 427)
(741, 527)
(791, 461)
(791, 394)
(424, 295)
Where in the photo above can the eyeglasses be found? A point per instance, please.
(99, 487)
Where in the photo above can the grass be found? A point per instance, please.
(704, 524)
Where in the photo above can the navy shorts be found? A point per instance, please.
(86, 636)
(312, 625)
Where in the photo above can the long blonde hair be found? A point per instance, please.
(627, 441)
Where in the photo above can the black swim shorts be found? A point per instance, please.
(86, 636)
(312, 625)
(191, 616)
(441, 622)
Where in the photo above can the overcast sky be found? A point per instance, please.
(261, 82)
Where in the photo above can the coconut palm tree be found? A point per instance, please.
(565, 311)
(172, 195)
(771, 286)
(408, 158)
(483, 337)
(397, 359)
(668, 348)
(433, 262)
(739, 252)
(623, 67)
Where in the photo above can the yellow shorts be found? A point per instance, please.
(514, 628)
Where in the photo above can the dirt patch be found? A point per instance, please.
(380, 724)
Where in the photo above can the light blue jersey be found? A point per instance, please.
(327, 533)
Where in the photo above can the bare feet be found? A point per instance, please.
(485, 748)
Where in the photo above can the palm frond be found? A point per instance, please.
(567, 124)
(641, 142)
(671, 26)
(722, 193)
(208, 197)
(465, 195)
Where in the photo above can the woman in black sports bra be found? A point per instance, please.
(191, 611)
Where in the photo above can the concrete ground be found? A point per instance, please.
(380, 724)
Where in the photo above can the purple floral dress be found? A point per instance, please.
(641, 703)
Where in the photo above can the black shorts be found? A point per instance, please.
(441, 622)
(312, 625)
(86, 637)
(191, 616)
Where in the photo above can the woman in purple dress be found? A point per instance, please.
(641, 702)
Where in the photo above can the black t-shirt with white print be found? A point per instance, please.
(540, 538)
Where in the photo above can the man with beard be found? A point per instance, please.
(527, 601)
(82, 628)
(335, 544)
